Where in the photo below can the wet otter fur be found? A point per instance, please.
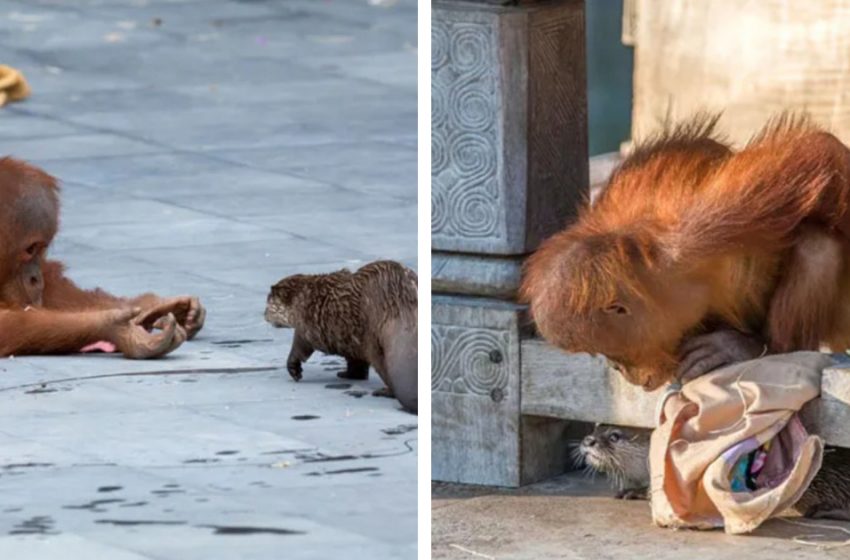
(828, 496)
(368, 317)
(623, 454)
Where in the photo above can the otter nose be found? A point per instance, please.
(589, 441)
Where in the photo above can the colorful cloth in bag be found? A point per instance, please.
(730, 450)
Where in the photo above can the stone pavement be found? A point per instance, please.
(576, 518)
(211, 147)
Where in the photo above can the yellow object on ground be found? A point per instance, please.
(712, 428)
(13, 86)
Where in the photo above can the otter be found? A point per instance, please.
(368, 317)
(620, 453)
(828, 496)
(623, 455)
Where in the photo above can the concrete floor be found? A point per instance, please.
(573, 517)
(211, 147)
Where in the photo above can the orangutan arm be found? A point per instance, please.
(797, 198)
(803, 307)
(800, 314)
(40, 331)
(61, 293)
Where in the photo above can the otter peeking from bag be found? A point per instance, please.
(369, 317)
(622, 454)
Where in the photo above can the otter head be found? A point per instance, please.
(619, 452)
(282, 299)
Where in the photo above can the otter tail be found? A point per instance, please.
(399, 342)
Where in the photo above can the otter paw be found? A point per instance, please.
(632, 494)
(294, 370)
(355, 375)
(385, 392)
(355, 369)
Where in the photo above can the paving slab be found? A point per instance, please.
(573, 517)
(211, 147)
(74, 146)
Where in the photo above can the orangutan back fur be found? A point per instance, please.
(691, 233)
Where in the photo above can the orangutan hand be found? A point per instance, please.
(188, 311)
(134, 340)
(701, 354)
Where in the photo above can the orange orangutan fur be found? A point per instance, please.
(690, 235)
(44, 312)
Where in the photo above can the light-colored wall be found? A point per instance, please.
(748, 58)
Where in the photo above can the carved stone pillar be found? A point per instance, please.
(509, 165)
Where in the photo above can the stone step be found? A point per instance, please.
(582, 387)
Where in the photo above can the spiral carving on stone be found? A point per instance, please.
(465, 364)
(439, 153)
(480, 217)
(468, 49)
(472, 156)
(438, 373)
(439, 216)
(439, 47)
(466, 195)
(439, 111)
(472, 109)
